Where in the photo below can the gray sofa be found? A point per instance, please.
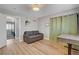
(32, 36)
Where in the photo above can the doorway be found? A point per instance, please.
(10, 26)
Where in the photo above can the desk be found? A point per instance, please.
(69, 39)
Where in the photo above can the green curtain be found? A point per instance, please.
(51, 29)
(59, 25)
(55, 28)
(63, 25)
(54, 33)
(69, 24)
(73, 24)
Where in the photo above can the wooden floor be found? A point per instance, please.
(42, 47)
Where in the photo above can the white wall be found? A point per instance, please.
(3, 37)
(16, 28)
(32, 25)
(45, 19)
(43, 26)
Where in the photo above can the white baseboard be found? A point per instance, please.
(1, 46)
(46, 38)
(20, 40)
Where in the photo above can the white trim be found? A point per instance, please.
(46, 38)
(1, 46)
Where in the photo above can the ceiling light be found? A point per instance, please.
(36, 9)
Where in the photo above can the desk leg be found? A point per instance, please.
(69, 48)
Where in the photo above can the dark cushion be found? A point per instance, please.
(35, 32)
(29, 33)
(35, 36)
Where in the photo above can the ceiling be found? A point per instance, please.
(26, 9)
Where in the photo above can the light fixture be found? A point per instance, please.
(35, 7)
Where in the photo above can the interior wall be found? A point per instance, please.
(16, 28)
(43, 26)
(3, 36)
(45, 20)
(30, 26)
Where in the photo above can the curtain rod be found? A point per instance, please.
(66, 15)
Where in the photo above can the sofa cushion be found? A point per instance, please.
(29, 33)
(34, 36)
(35, 32)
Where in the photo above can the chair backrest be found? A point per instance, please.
(31, 32)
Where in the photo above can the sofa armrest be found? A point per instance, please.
(40, 33)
